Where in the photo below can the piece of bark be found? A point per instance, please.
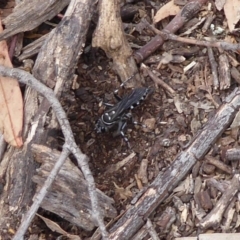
(224, 72)
(178, 204)
(214, 65)
(16, 45)
(160, 58)
(166, 219)
(214, 217)
(64, 43)
(208, 168)
(109, 36)
(142, 171)
(115, 167)
(195, 169)
(19, 166)
(186, 13)
(148, 199)
(232, 154)
(219, 164)
(197, 185)
(29, 14)
(68, 196)
(235, 74)
(32, 48)
(204, 200)
(220, 186)
(3, 145)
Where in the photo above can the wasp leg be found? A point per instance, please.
(129, 116)
(108, 104)
(138, 123)
(125, 139)
(120, 131)
(115, 93)
(116, 96)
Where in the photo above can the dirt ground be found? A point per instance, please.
(172, 122)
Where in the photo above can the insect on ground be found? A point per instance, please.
(116, 116)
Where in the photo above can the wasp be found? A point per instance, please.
(115, 118)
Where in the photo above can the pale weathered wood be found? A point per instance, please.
(224, 72)
(109, 36)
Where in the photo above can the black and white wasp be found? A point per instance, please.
(115, 117)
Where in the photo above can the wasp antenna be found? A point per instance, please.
(128, 79)
(123, 83)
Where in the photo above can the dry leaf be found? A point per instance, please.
(56, 228)
(11, 104)
(169, 9)
(232, 13)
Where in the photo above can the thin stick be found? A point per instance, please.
(158, 81)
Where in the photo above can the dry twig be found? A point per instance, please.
(219, 164)
(158, 81)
